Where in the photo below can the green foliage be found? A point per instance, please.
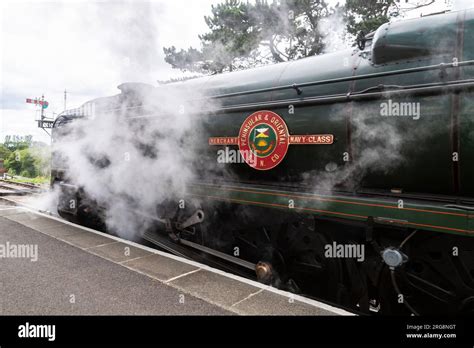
(25, 158)
(248, 34)
(13, 163)
(244, 34)
(16, 142)
(183, 59)
(4, 152)
(36, 180)
(42, 160)
(367, 16)
(233, 35)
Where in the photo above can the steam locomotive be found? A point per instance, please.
(356, 179)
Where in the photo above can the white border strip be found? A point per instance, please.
(299, 298)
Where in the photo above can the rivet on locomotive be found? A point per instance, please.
(313, 206)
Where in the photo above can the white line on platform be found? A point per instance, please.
(100, 245)
(311, 302)
(249, 296)
(182, 275)
(135, 258)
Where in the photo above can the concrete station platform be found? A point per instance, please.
(80, 271)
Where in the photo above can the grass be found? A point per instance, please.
(37, 180)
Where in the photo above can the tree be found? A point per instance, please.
(13, 163)
(244, 35)
(367, 16)
(24, 163)
(24, 157)
(4, 152)
(28, 164)
(17, 142)
(291, 29)
(231, 37)
(42, 159)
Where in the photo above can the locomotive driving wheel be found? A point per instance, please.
(303, 252)
(291, 257)
(438, 276)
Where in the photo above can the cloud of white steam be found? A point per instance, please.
(377, 148)
(462, 4)
(86, 47)
(128, 165)
(45, 202)
(381, 147)
(122, 165)
(334, 32)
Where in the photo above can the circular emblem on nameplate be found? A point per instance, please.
(263, 140)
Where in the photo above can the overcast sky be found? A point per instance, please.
(88, 48)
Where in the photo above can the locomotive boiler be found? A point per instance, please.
(348, 176)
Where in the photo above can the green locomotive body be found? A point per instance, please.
(371, 146)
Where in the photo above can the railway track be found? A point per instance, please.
(8, 187)
(23, 184)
